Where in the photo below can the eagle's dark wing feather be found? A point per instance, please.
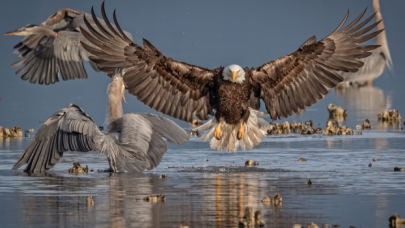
(174, 88)
(68, 129)
(300, 79)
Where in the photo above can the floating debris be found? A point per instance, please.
(196, 123)
(162, 176)
(397, 169)
(369, 165)
(41, 122)
(155, 198)
(336, 111)
(101, 128)
(251, 163)
(309, 182)
(359, 133)
(374, 160)
(77, 168)
(27, 135)
(207, 160)
(302, 160)
(251, 219)
(396, 221)
(90, 201)
(194, 133)
(31, 130)
(12, 133)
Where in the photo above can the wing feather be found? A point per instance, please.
(302, 78)
(149, 75)
(69, 129)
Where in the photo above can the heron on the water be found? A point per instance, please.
(54, 48)
(375, 64)
(134, 141)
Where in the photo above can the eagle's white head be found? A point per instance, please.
(234, 73)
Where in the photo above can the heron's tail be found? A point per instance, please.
(255, 129)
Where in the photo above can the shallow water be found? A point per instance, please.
(214, 193)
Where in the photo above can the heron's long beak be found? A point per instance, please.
(123, 95)
(16, 32)
(234, 75)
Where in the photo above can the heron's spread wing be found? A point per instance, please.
(68, 129)
(53, 55)
(167, 128)
(142, 146)
(302, 78)
(174, 88)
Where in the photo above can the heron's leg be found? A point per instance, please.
(240, 132)
(218, 132)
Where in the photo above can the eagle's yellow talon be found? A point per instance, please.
(218, 132)
(240, 132)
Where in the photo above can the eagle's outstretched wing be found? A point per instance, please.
(174, 88)
(300, 79)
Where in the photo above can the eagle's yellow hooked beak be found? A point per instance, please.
(234, 75)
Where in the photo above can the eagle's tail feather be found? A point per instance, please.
(255, 129)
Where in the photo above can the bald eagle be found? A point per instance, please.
(231, 94)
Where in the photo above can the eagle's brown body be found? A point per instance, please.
(230, 100)
(231, 94)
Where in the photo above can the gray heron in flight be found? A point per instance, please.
(134, 142)
(375, 64)
(54, 48)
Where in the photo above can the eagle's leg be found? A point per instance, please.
(218, 132)
(240, 132)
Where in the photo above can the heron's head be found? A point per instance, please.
(24, 31)
(234, 73)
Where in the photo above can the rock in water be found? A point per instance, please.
(251, 219)
(335, 111)
(251, 163)
(77, 168)
(391, 116)
(194, 133)
(396, 221)
(196, 123)
(359, 133)
(302, 160)
(155, 198)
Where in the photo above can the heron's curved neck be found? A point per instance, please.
(114, 104)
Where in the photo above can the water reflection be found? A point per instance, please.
(209, 200)
(366, 102)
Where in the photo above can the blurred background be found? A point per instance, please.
(206, 33)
